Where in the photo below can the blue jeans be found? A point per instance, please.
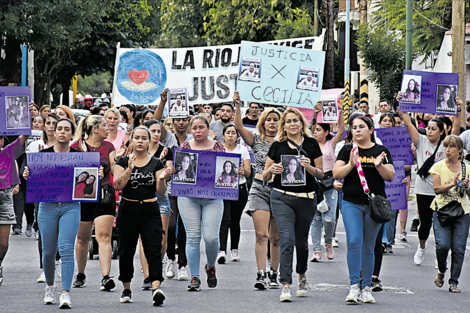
(327, 220)
(452, 237)
(194, 211)
(58, 223)
(389, 231)
(361, 233)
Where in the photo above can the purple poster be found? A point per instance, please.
(15, 118)
(427, 92)
(396, 190)
(63, 177)
(398, 141)
(205, 174)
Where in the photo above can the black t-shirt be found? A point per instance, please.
(168, 156)
(249, 121)
(280, 151)
(352, 186)
(142, 183)
(51, 149)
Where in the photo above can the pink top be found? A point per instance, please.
(328, 157)
(8, 171)
(218, 146)
(120, 137)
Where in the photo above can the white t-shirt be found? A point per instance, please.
(34, 146)
(245, 156)
(376, 119)
(465, 136)
(425, 149)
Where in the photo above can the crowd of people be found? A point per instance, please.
(303, 176)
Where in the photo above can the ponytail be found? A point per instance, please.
(86, 126)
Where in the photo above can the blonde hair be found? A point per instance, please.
(44, 107)
(86, 125)
(454, 141)
(282, 134)
(113, 110)
(262, 120)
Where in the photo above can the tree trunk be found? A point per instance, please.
(10, 68)
(329, 79)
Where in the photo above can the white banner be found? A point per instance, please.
(209, 73)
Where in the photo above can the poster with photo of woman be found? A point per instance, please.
(17, 113)
(411, 89)
(85, 184)
(186, 168)
(226, 172)
(294, 173)
(445, 100)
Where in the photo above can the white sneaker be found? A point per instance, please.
(366, 295)
(286, 295)
(170, 269)
(49, 294)
(436, 265)
(353, 296)
(419, 256)
(303, 288)
(221, 258)
(64, 301)
(42, 278)
(182, 273)
(235, 255)
(335, 242)
(58, 268)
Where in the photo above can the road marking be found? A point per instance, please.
(334, 287)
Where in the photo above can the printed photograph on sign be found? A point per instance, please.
(186, 168)
(293, 173)
(85, 183)
(445, 100)
(16, 112)
(250, 69)
(307, 78)
(329, 111)
(411, 89)
(177, 102)
(226, 172)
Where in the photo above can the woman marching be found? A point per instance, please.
(233, 210)
(116, 136)
(90, 137)
(139, 175)
(375, 162)
(294, 204)
(58, 223)
(259, 198)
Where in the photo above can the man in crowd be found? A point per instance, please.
(384, 106)
(364, 107)
(250, 72)
(225, 119)
(252, 115)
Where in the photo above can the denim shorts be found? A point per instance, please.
(7, 211)
(259, 198)
(164, 204)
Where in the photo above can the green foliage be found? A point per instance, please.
(298, 23)
(94, 84)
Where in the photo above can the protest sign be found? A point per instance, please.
(328, 96)
(15, 118)
(427, 92)
(53, 178)
(177, 102)
(280, 75)
(398, 141)
(209, 73)
(396, 190)
(205, 174)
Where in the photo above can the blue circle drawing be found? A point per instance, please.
(141, 76)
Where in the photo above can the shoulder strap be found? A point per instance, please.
(360, 172)
(464, 174)
(298, 148)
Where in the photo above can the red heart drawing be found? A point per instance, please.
(138, 77)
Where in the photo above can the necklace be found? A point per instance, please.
(94, 148)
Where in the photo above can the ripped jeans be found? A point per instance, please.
(327, 220)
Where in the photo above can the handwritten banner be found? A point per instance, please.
(15, 118)
(205, 174)
(52, 177)
(398, 141)
(427, 92)
(396, 190)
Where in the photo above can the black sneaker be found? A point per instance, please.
(376, 284)
(80, 281)
(126, 296)
(158, 297)
(272, 280)
(261, 281)
(211, 279)
(147, 285)
(195, 284)
(414, 225)
(107, 283)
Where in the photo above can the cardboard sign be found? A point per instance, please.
(396, 190)
(280, 75)
(427, 92)
(205, 174)
(52, 177)
(209, 73)
(15, 117)
(398, 141)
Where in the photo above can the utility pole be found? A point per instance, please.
(409, 32)
(315, 18)
(347, 86)
(24, 65)
(363, 70)
(31, 72)
(458, 42)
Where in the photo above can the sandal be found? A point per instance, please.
(453, 288)
(439, 280)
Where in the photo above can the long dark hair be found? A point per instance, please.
(441, 127)
(84, 172)
(232, 171)
(44, 134)
(326, 128)
(189, 171)
(390, 116)
(450, 102)
(365, 119)
(415, 89)
(298, 173)
(89, 187)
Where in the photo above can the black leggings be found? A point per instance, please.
(378, 252)
(233, 211)
(425, 215)
(176, 235)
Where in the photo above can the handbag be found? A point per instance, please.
(108, 196)
(380, 207)
(423, 170)
(327, 181)
(452, 210)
